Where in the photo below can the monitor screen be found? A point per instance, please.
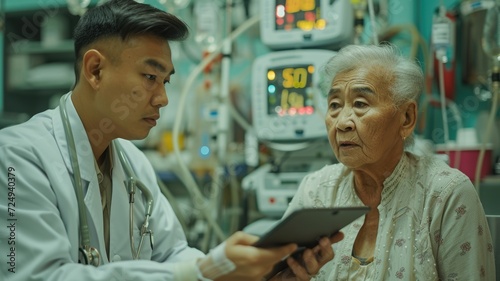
(287, 104)
(291, 24)
(299, 14)
(289, 90)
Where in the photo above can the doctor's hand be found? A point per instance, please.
(252, 263)
(306, 266)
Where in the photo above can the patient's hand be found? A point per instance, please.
(311, 261)
(252, 263)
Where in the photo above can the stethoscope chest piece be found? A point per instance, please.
(90, 256)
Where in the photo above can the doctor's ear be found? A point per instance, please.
(92, 63)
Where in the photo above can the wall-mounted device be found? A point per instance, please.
(287, 104)
(290, 24)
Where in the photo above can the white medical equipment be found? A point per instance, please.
(274, 190)
(88, 254)
(287, 104)
(287, 24)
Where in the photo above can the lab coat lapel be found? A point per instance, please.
(92, 196)
(60, 137)
(82, 144)
(94, 209)
(119, 232)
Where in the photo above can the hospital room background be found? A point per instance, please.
(244, 123)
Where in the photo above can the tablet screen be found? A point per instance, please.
(306, 226)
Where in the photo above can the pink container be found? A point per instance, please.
(467, 156)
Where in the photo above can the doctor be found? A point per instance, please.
(123, 60)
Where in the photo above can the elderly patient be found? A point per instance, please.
(426, 221)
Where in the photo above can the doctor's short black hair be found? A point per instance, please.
(124, 19)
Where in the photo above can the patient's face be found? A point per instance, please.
(362, 121)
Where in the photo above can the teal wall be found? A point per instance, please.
(20, 5)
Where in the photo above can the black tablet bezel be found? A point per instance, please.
(306, 226)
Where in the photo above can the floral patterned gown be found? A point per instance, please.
(432, 224)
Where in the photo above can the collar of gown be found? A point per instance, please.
(399, 174)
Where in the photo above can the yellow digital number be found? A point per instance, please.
(305, 25)
(295, 100)
(308, 5)
(288, 79)
(294, 78)
(292, 6)
(299, 78)
(284, 100)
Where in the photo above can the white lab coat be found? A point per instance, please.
(42, 240)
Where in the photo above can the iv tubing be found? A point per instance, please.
(487, 135)
(372, 20)
(443, 106)
(188, 179)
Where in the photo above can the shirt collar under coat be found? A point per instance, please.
(108, 164)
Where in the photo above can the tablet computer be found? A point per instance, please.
(305, 227)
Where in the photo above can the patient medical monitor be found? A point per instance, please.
(287, 104)
(289, 24)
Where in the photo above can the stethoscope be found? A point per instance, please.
(88, 254)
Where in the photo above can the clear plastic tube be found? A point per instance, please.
(185, 175)
(442, 43)
(486, 137)
(371, 10)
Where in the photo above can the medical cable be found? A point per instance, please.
(416, 38)
(443, 106)
(223, 126)
(371, 10)
(173, 202)
(442, 32)
(486, 137)
(458, 118)
(91, 254)
(359, 7)
(186, 177)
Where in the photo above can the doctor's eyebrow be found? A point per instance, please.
(160, 67)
